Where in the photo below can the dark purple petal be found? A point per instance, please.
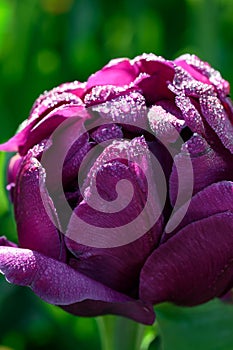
(53, 281)
(118, 72)
(170, 107)
(106, 132)
(136, 310)
(117, 266)
(218, 119)
(34, 216)
(190, 114)
(214, 199)
(74, 158)
(207, 167)
(67, 146)
(193, 266)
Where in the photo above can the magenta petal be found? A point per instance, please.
(53, 281)
(64, 93)
(170, 275)
(44, 128)
(18, 139)
(118, 72)
(49, 102)
(35, 228)
(136, 310)
(155, 86)
(203, 72)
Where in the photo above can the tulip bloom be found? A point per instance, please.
(122, 190)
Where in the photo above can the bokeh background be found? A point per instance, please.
(44, 43)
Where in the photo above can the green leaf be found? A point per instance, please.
(205, 327)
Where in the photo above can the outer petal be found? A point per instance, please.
(35, 228)
(53, 281)
(53, 98)
(59, 284)
(118, 72)
(137, 310)
(44, 128)
(193, 266)
(39, 112)
(156, 74)
(203, 71)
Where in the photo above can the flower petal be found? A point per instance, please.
(207, 167)
(44, 128)
(53, 281)
(170, 275)
(118, 72)
(118, 239)
(156, 74)
(23, 139)
(36, 229)
(218, 119)
(136, 310)
(57, 96)
(59, 284)
(165, 125)
(128, 110)
(203, 72)
(214, 199)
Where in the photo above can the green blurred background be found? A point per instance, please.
(46, 42)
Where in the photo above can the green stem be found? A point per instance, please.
(118, 333)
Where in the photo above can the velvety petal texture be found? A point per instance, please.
(193, 266)
(36, 229)
(58, 284)
(122, 190)
(117, 267)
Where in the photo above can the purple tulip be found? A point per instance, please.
(122, 190)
